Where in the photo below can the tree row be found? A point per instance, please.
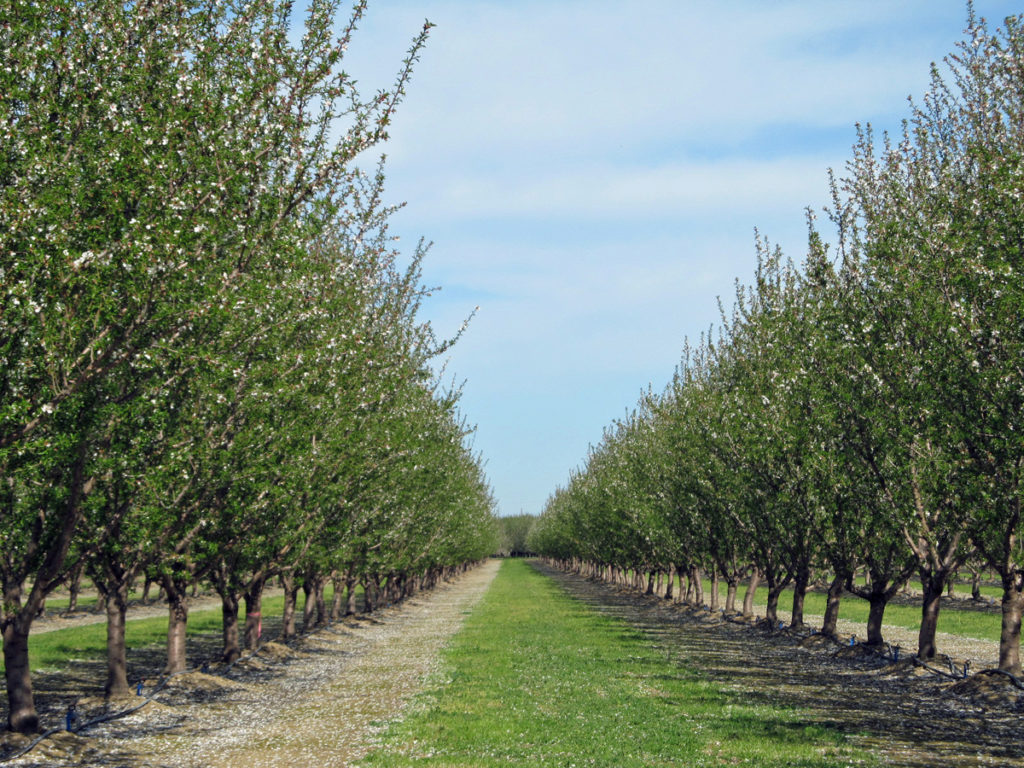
(863, 411)
(211, 366)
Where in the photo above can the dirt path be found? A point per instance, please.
(52, 622)
(319, 705)
(912, 718)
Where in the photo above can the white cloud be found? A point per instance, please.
(592, 171)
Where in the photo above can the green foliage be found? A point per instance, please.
(861, 410)
(515, 530)
(210, 355)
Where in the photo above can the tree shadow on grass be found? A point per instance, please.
(908, 720)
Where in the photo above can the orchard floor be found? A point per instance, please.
(326, 701)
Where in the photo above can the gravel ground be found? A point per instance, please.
(322, 702)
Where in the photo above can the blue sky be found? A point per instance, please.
(591, 174)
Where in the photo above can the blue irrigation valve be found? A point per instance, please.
(781, 624)
(138, 688)
(853, 640)
(71, 718)
(895, 653)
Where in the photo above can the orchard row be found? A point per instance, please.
(211, 365)
(860, 412)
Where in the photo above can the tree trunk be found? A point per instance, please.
(350, 593)
(801, 581)
(771, 610)
(670, 583)
(309, 606)
(932, 585)
(254, 615)
(321, 605)
(697, 579)
(748, 597)
(369, 596)
(291, 596)
(831, 618)
(117, 653)
(1009, 634)
(713, 603)
(75, 586)
(339, 595)
(177, 624)
(21, 707)
(650, 583)
(229, 625)
(731, 588)
(976, 586)
(877, 601)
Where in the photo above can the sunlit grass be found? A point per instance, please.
(538, 679)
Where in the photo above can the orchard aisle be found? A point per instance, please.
(329, 704)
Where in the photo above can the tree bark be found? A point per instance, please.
(177, 624)
(338, 598)
(291, 596)
(801, 581)
(714, 602)
(21, 707)
(1009, 633)
(75, 586)
(732, 586)
(877, 601)
(229, 626)
(748, 597)
(832, 598)
(117, 653)
(309, 606)
(350, 593)
(253, 614)
(321, 605)
(771, 610)
(932, 586)
(697, 579)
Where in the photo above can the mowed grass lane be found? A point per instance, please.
(535, 678)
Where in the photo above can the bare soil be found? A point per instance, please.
(910, 716)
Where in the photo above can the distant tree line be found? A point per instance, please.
(211, 365)
(514, 530)
(862, 412)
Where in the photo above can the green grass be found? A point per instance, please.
(536, 678)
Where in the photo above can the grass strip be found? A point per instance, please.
(536, 678)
